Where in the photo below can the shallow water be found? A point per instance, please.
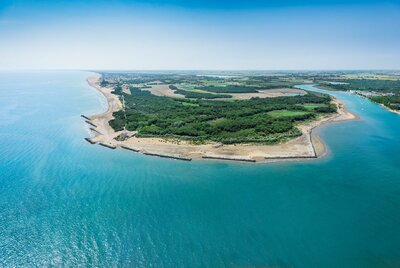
(65, 202)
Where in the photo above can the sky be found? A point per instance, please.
(199, 35)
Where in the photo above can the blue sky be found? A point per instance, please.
(180, 34)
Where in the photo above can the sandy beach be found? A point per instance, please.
(306, 146)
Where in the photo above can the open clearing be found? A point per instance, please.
(286, 113)
(164, 90)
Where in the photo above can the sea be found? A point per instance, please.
(67, 203)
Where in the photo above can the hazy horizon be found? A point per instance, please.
(180, 35)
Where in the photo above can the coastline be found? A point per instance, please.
(380, 104)
(307, 146)
(389, 109)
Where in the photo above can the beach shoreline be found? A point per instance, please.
(389, 109)
(307, 146)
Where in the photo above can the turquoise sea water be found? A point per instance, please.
(64, 202)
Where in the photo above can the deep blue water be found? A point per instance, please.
(64, 202)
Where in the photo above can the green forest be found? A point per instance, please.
(392, 102)
(269, 120)
(367, 85)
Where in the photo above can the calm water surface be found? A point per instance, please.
(64, 202)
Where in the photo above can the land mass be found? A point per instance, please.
(289, 133)
(380, 87)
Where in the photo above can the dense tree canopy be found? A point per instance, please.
(239, 121)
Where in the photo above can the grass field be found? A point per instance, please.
(312, 106)
(286, 113)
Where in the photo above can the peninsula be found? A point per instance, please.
(252, 117)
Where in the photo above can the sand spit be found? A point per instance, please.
(306, 146)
